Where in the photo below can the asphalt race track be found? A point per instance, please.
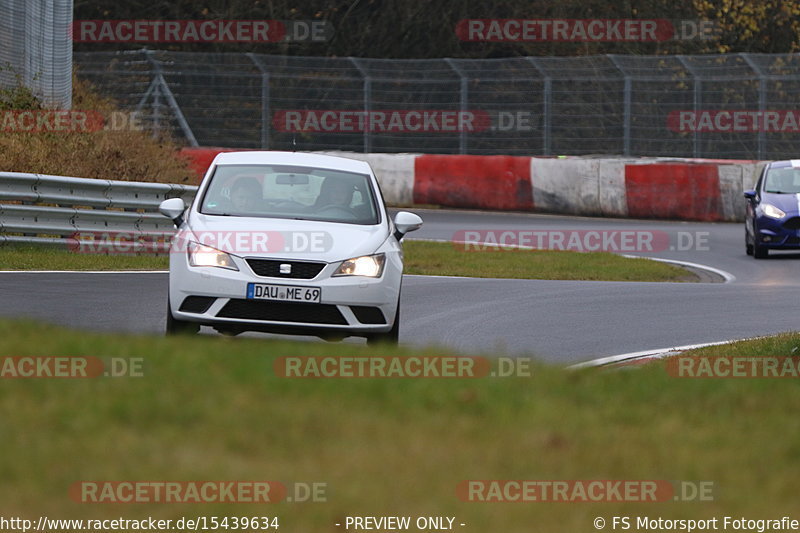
(561, 321)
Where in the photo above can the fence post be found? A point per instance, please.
(762, 103)
(547, 97)
(156, 110)
(626, 112)
(697, 101)
(265, 122)
(464, 97)
(155, 107)
(367, 102)
(161, 86)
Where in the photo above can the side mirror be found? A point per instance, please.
(173, 209)
(405, 222)
(750, 194)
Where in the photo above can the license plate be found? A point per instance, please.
(283, 293)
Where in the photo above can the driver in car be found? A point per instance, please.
(335, 193)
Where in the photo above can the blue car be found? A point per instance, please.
(772, 220)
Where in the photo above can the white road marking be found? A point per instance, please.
(657, 353)
(727, 276)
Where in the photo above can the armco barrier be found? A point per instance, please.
(36, 208)
(665, 188)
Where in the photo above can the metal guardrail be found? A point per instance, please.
(70, 212)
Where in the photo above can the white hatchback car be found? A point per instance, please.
(287, 242)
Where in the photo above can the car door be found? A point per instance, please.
(752, 203)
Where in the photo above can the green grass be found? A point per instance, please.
(211, 408)
(33, 257)
(785, 344)
(446, 259)
(429, 258)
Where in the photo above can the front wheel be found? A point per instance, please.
(179, 327)
(391, 337)
(748, 246)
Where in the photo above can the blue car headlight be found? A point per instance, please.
(771, 211)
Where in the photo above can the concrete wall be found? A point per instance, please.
(676, 189)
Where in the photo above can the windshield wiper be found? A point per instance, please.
(780, 192)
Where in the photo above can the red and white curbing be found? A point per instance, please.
(664, 188)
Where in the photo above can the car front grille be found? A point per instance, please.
(272, 268)
(282, 312)
(793, 223)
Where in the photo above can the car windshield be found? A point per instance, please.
(294, 192)
(783, 180)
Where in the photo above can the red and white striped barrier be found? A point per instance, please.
(677, 189)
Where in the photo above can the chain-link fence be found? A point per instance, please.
(36, 48)
(740, 106)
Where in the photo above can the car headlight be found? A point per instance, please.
(201, 255)
(772, 211)
(370, 266)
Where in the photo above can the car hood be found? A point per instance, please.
(285, 239)
(788, 203)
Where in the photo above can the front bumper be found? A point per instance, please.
(778, 233)
(348, 305)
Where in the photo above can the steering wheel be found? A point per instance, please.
(283, 204)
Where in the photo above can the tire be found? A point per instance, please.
(390, 337)
(179, 327)
(748, 247)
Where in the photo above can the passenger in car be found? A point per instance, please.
(334, 192)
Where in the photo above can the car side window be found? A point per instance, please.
(761, 179)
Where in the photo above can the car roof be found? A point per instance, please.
(292, 158)
(794, 163)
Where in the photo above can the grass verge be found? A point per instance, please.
(111, 152)
(35, 257)
(446, 259)
(783, 345)
(427, 258)
(211, 408)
